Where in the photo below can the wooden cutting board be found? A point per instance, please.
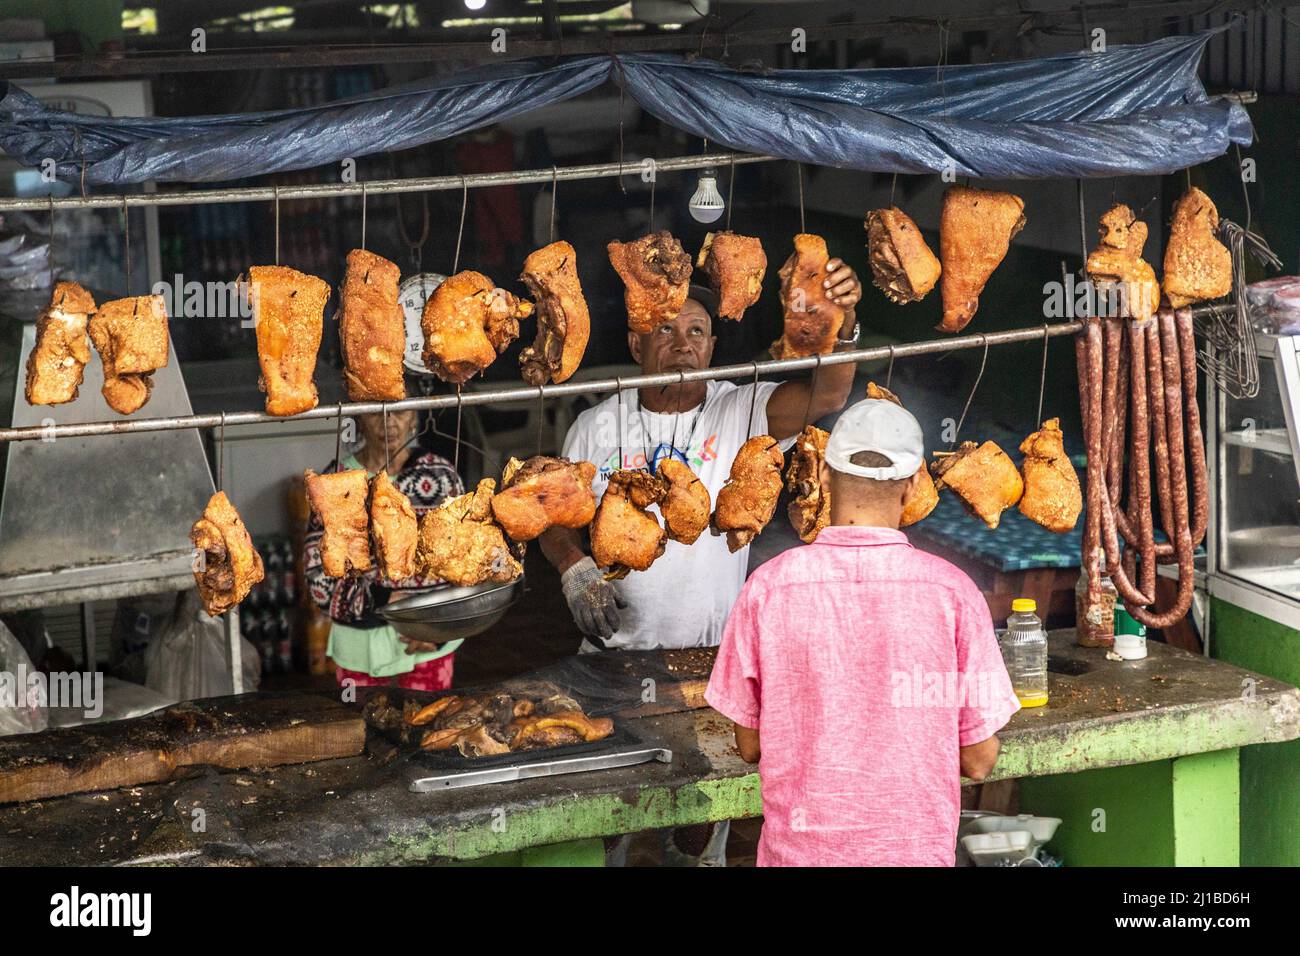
(251, 730)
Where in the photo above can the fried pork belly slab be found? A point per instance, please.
(467, 323)
(496, 723)
(372, 329)
(686, 504)
(543, 492)
(748, 499)
(735, 266)
(1197, 265)
(812, 321)
(924, 496)
(339, 499)
(983, 477)
(462, 544)
(534, 732)
(1052, 496)
(394, 527)
(624, 536)
(810, 509)
(229, 564)
(902, 265)
(563, 322)
(656, 273)
(289, 312)
(1117, 259)
(58, 361)
(131, 338)
(976, 227)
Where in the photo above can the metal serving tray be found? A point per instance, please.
(447, 770)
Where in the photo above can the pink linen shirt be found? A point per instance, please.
(864, 664)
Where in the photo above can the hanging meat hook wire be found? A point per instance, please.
(798, 172)
(455, 461)
(221, 454)
(555, 179)
(753, 398)
(276, 204)
(812, 390)
(1042, 378)
(363, 215)
(889, 373)
(460, 233)
(731, 188)
(338, 441)
(388, 458)
(126, 243)
(971, 397)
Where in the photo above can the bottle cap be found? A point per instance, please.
(1024, 605)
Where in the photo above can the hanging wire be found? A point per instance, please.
(618, 396)
(731, 187)
(541, 416)
(338, 440)
(276, 202)
(652, 203)
(555, 178)
(363, 215)
(893, 186)
(753, 398)
(221, 454)
(460, 233)
(388, 458)
(812, 390)
(969, 398)
(51, 239)
(1042, 377)
(798, 171)
(455, 462)
(126, 245)
(1083, 224)
(889, 374)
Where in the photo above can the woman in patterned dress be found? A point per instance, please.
(365, 648)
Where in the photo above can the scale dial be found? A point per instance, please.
(412, 294)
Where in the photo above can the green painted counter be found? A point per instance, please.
(1168, 708)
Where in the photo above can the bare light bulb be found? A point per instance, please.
(475, 4)
(706, 205)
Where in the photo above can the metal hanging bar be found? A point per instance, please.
(377, 187)
(527, 392)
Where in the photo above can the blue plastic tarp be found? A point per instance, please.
(1131, 110)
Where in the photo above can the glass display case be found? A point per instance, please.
(1253, 546)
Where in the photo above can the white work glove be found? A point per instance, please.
(592, 600)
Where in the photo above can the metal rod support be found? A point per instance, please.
(527, 392)
(376, 187)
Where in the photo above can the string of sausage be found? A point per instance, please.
(1152, 381)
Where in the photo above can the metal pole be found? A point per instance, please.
(376, 187)
(527, 392)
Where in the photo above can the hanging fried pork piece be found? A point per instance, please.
(131, 338)
(563, 322)
(288, 310)
(924, 496)
(748, 499)
(902, 265)
(372, 329)
(624, 536)
(975, 231)
(686, 503)
(735, 266)
(339, 500)
(58, 360)
(1117, 260)
(983, 477)
(462, 544)
(810, 509)
(226, 564)
(394, 527)
(656, 273)
(1052, 495)
(812, 320)
(467, 323)
(543, 492)
(1197, 265)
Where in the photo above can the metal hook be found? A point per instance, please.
(52, 239)
(555, 178)
(388, 458)
(971, 396)
(653, 177)
(541, 418)
(455, 464)
(889, 375)
(277, 224)
(338, 441)
(618, 393)
(812, 388)
(126, 229)
(460, 233)
(799, 175)
(363, 215)
(731, 187)
(893, 186)
(221, 454)
(1042, 378)
(753, 398)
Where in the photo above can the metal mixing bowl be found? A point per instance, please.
(450, 613)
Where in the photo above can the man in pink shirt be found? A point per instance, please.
(863, 676)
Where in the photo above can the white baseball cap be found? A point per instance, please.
(880, 426)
